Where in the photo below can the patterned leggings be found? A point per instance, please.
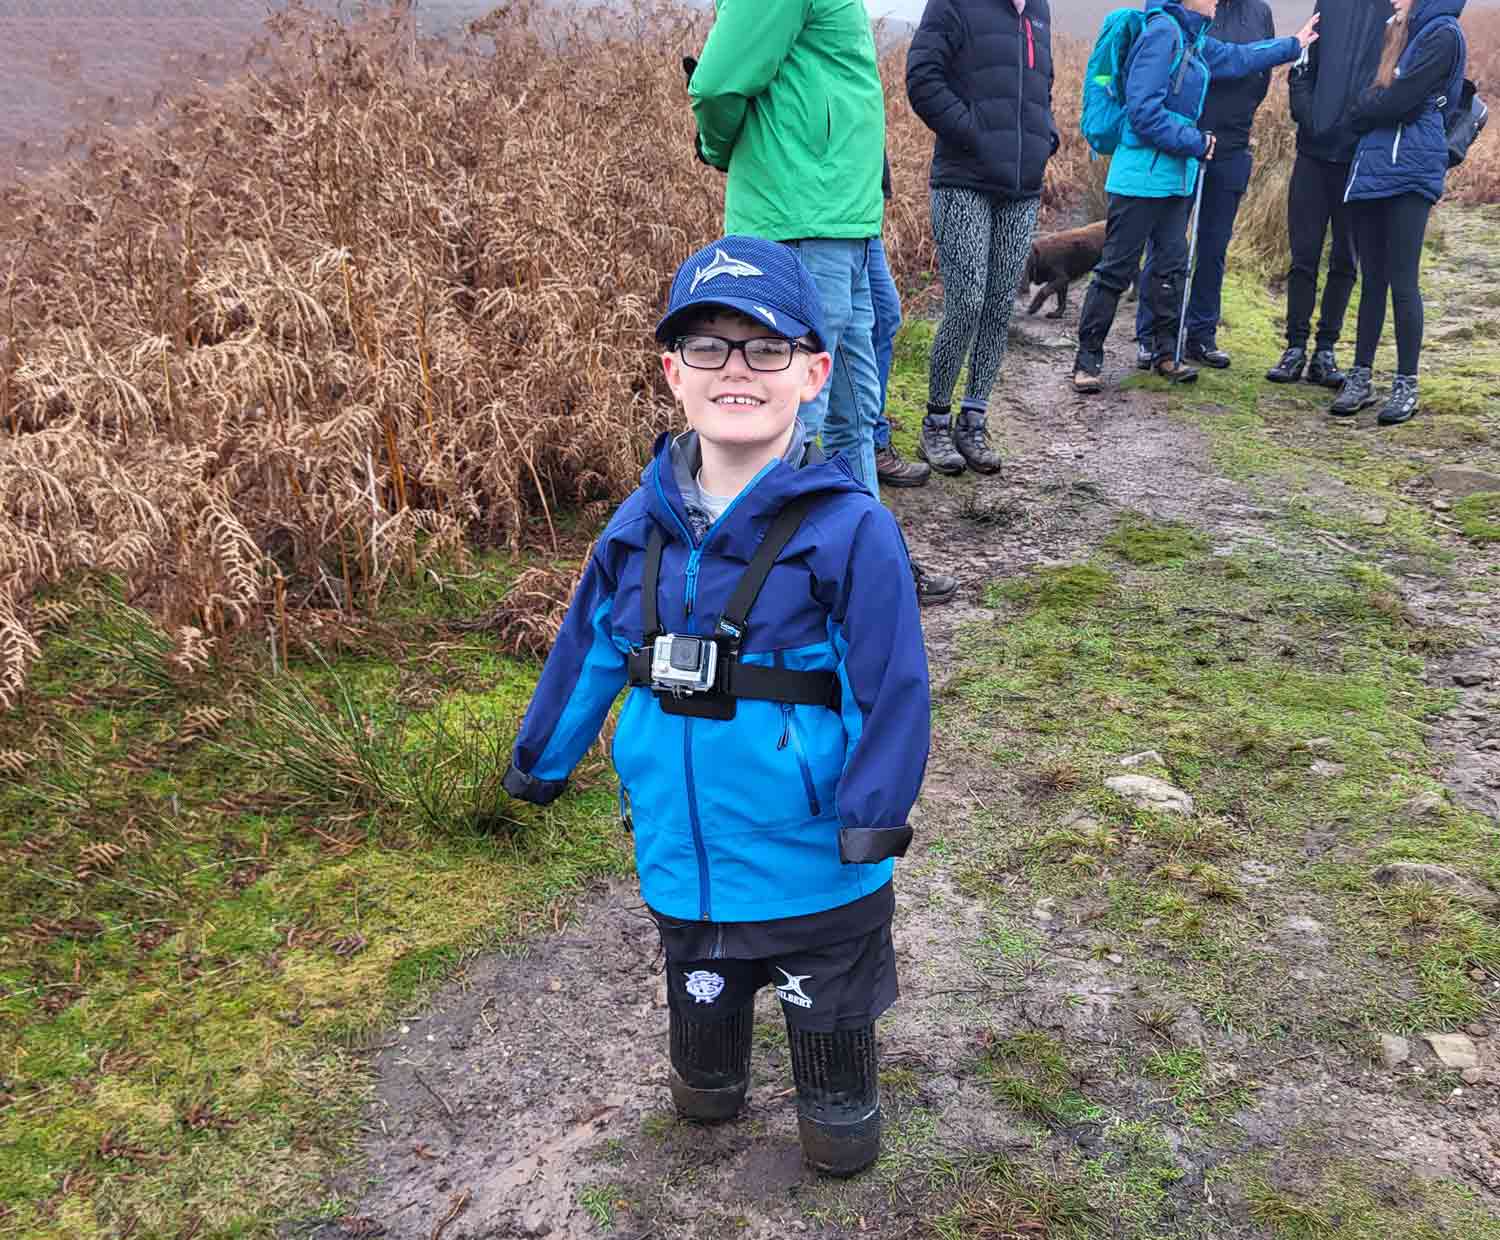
(983, 243)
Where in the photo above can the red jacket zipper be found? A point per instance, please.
(1030, 46)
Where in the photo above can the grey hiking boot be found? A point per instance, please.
(1289, 368)
(1357, 393)
(1401, 405)
(933, 587)
(894, 470)
(936, 447)
(972, 439)
(1324, 371)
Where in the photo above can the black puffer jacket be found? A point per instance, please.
(1338, 68)
(980, 76)
(1229, 110)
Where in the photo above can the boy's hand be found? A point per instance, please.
(1308, 35)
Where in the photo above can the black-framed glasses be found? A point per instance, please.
(760, 352)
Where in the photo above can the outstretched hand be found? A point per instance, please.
(1308, 35)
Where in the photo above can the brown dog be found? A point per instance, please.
(1060, 258)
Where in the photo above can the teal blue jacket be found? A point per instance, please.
(1166, 82)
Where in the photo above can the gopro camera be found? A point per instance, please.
(681, 664)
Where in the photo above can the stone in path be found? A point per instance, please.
(1394, 1050)
(1439, 876)
(1456, 1050)
(1144, 792)
(1461, 480)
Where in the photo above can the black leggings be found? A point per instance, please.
(1388, 236)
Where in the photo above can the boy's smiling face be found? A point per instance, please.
(738, 408)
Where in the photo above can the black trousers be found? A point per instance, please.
(1388, 233)
(1133, 222)
(1314, 202)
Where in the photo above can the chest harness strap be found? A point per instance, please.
(734, 679)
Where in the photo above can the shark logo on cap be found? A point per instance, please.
(722, 265)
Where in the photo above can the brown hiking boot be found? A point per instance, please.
(894, 470)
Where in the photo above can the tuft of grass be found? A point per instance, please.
(1143, 541)
(1065, 589)
(1478, 516)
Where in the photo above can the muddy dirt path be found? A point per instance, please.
(531, 1100)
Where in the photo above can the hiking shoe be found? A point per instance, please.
(972, 438)
(1289, 368)
(935, 445)
(894, 470)
(1209, 355)
(932, 587)
(1086, 378)
(1144, 356)
(1324, 371)
(1401, 405)
(1177, 372)
(1357, 393)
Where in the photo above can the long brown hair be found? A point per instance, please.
(1396, 31)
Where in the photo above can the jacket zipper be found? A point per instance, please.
(1020, 100)
(791, 733)
(1030, 46)
(705, 904)
(695, 556)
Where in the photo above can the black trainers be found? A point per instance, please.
(932, 587)
(894, 470)
(1357, 393)
(1209, 355)
(972, 439)
(1289, 368)
(1324, 371)
(1144, 356)
(935, 445)
(1401, 405)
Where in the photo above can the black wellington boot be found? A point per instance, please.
(710, 1063)
(838, 1098)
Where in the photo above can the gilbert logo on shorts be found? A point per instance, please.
(722, 265)
(704, 986)
(790, 991)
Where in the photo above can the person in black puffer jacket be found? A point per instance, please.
(979, 74)
(1323, 87)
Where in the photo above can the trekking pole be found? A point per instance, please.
(1187, 280)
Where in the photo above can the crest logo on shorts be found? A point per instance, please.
(790, 991)
(722, 265)
(704, 986)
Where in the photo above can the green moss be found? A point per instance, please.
(1479, 517)
(1065, 589)
(1143, 541)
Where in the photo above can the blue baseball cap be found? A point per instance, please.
(762, 279)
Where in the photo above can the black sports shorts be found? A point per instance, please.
(836, 986)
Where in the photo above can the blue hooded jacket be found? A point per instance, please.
(1404, 145)
(740, 820)
(1166, 82)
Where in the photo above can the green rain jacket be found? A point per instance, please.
(788, 101)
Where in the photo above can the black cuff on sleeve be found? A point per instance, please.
(867, 845)
(526, 787)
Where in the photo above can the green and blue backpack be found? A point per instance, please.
(1102, 119)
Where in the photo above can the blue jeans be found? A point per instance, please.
(843, 413)
(887, 323)
(1224, 182)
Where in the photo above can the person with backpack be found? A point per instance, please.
(1228, 113)
(757, 601)
(1321, 90)
(1398, 172)
(1158, 151)
(979, 74)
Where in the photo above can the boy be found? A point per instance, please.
(760, 603)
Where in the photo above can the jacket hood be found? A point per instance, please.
(1423, 11)
(804, 470)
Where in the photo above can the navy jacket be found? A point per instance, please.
(1403, 148)
(980, 77)
(1166, 82)
(739, 820)
(1229, 110)
(1325, 84)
